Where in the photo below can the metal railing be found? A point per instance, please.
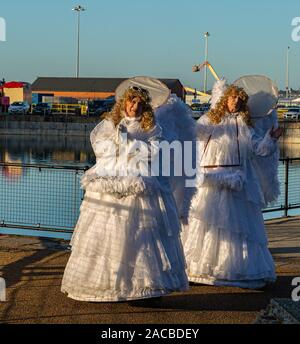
(48, 197)
(40, 197)
(289, 177)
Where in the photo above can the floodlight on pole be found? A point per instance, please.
(287, 87)
(206, 35)
(78, 9)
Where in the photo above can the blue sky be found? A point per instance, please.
(161, 38)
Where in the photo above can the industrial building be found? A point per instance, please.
(70, 90)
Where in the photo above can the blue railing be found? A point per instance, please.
(40, 197)
(289, 177)
(48, 197)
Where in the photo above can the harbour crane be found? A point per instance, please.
(198, 68)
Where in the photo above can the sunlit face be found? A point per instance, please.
(134, 107)
(234, 103)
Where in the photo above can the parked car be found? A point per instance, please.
(42, 108)
(199, 109)
(98, 107)
(292, 113)
(107, 106)
(19, 107)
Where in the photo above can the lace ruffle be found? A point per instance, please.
(118, 186)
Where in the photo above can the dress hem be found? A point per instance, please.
(248, 284)
(153, 294)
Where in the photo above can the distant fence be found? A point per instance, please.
(79, 109)
(48, 197)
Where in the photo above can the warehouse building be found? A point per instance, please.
(70, 90)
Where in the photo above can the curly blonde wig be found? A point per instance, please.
(215, 115)
(117, 113)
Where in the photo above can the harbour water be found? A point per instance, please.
(70, 151)
(57, 150)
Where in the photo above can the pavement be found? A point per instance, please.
(33, 268)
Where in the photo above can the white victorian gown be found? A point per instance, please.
(126, 244)
(224, 241)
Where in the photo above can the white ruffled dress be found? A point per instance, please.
(225, 242)
(126, 244)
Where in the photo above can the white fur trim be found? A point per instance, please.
(218, 91)
(118, 186)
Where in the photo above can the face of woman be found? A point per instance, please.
(234, 103)
(133, 107)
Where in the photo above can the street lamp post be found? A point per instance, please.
(206, 35)
(78, 9)
(287, 89)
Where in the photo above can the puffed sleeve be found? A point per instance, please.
(261, 145)
(104, 132)
(203, 128)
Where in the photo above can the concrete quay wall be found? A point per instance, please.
(39, 125)
(82, 126)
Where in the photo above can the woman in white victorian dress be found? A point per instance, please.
(126, 244)
(224, 238)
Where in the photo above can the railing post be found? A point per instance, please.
(286, 187)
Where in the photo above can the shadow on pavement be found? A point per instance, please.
(221, 298)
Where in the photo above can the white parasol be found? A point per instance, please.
(262, 92)
(158, 91)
